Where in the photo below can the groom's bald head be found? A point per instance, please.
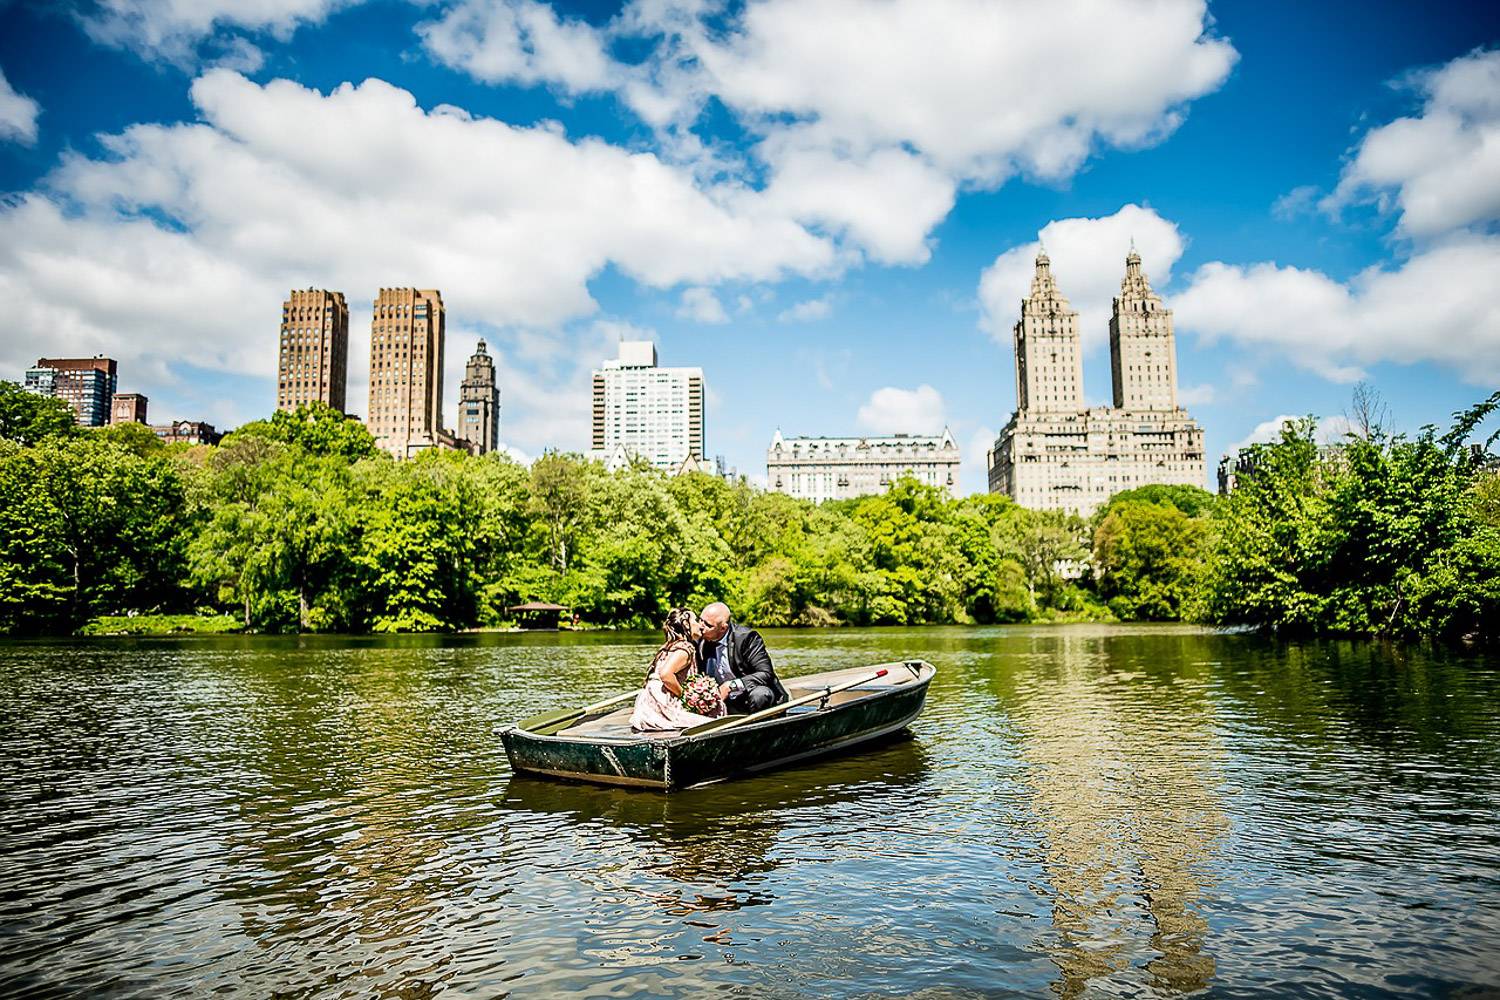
(715, 620)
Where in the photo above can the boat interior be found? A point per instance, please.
(615, 725)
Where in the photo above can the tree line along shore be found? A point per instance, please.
(298, 523)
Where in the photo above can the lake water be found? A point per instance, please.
(1080, 811)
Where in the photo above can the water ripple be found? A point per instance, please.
(1080, 811)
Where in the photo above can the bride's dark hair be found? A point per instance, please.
(678, 628)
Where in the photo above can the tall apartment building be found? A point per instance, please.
(479, 403)
(643, 411)
(823, 468)
(128, 408)
(314, 359)
(85, 384)
(1056, 453)
(406, 371)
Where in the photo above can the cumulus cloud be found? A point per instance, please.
(1196, 395)
(903, 411)
(1088, 262)
(175, 31)
(518, 41)
(955, 80)
(975, 465)
(18, 115)
(807, 312)
(1439, 306)
(181, 242)
(1441, 168)
(868, 117)
(702, 306)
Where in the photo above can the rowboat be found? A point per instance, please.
(824, 713)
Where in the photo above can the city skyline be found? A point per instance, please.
(840, 255)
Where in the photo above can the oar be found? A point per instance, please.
(558, 718)
(729, 722)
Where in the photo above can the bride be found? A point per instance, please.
(658, 706)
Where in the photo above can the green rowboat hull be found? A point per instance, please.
(677, 761)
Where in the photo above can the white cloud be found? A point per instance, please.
(173, 30)
(120, 254)
(903, 411)
(807, 312)
(970, 85)
(17, 115)
(1441, 168)
(1439, 307)
(1088, 262)
(975, 465)
(1330, 430)
(885, 203)
(702, 305)
(520, 41)
(869, 116)
(1196, 395)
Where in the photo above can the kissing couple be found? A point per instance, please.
(721, 666)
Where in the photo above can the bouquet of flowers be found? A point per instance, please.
(700, 693)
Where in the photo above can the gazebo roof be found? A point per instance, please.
(537, 606)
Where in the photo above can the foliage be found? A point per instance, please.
(28, 418)
(1147, 557)
(1384, 535)
(199, 624)
(1191, 500)
(297, 522)
(87, 527)
(318, 429)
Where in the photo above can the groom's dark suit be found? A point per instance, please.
(742, 659)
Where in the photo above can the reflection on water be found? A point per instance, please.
(1082, 811)
(1123, 780)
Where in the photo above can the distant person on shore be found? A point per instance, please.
(736, 657)
(660, 706)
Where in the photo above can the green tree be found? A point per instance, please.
(1147, 559)
(27, 418)
(560, 488)
(87, 527)
(318, 429)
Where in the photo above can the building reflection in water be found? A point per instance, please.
(1122, 771)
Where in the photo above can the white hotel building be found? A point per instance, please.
(821, 468)
(642, 411)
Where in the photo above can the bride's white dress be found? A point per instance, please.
(657, 709)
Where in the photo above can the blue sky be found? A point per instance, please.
(830, 206)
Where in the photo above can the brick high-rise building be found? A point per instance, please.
(1058, 454)
(314, 358)
(85, 384)
(406, 371)
(128, 408)
(479, 403)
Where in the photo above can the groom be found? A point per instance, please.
(736, 657)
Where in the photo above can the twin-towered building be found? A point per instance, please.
(408, 332)
(1056, 453)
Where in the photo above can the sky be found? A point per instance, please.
(830, 206)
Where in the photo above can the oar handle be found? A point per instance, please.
(719, 725)
(606, 703)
